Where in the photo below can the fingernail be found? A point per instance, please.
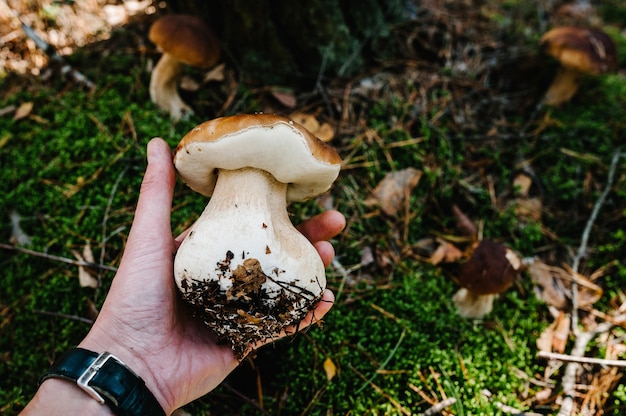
(155, 149)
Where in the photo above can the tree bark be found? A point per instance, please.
(284, 42)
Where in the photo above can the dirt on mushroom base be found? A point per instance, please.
(246, 313)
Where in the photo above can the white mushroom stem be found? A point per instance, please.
(164, 87)
(563, 87)
(247, 216)
(470, 305)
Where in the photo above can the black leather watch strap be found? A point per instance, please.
(108, 380)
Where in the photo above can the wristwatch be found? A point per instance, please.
(108, 380)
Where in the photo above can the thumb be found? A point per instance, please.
(151, 224)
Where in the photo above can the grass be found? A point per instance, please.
(72, 171)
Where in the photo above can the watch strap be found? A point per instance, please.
(108, 380)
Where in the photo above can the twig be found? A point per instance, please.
(439, 407)
(105, 219)
(582, 249)
(506, 408)
(582, 339)
(581, 360)
(65, 316)
(569, 377)
(58, 258)
(66, 69)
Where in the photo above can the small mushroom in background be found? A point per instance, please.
(184, 40)
(580, 51)
(243, 266)
(491, 269)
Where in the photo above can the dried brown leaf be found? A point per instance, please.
(392, 193)
(7, 110)
(285, 97)
(215, 74)
(522, 184)
(464, 224)
(549, 285)
(86, 277)
(323, 131)
(561, 332)
(308, 121)
(23, 110)
(554, 337)
(446, 253)
(588, 292)
(187, 83)
(528, 208)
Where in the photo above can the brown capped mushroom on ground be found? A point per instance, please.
(184, 40)
(490, 270)
(580, 51)
(243, 267)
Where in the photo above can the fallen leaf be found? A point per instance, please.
(588, 292)
(561, 332)
(549, 287)
(554, 284)
(7, 110)
(187, 83)
(528, 208)
(522, 183)
(446, 252)
(23, 110)
(392, 193)
(308, 121)
(5, 139)
(85, 276)
(367, 256)
(463, 223)
(215, 74)
(330, 369)
(323, 131)
(285, 97)
(543, 395)
(554, 337)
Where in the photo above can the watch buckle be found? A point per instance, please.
(90, 372)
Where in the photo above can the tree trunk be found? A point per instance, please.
(293, 43)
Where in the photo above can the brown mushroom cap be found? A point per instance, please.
(187, 38)
(275, 144)
(491, 269)
(586, 50)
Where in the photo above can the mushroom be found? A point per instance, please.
(184, 40)
(580, 51)
(490, 270)
(243, 266)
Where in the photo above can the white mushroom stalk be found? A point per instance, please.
(164, 87)
(184, 40)
(245, 269)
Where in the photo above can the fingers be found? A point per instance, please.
(323, 226)
(152, 217)
(326, 251)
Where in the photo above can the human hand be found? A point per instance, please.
(142, 321)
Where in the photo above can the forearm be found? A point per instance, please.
(61, 397)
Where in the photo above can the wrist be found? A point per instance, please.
(62, 397)
(133, 360)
